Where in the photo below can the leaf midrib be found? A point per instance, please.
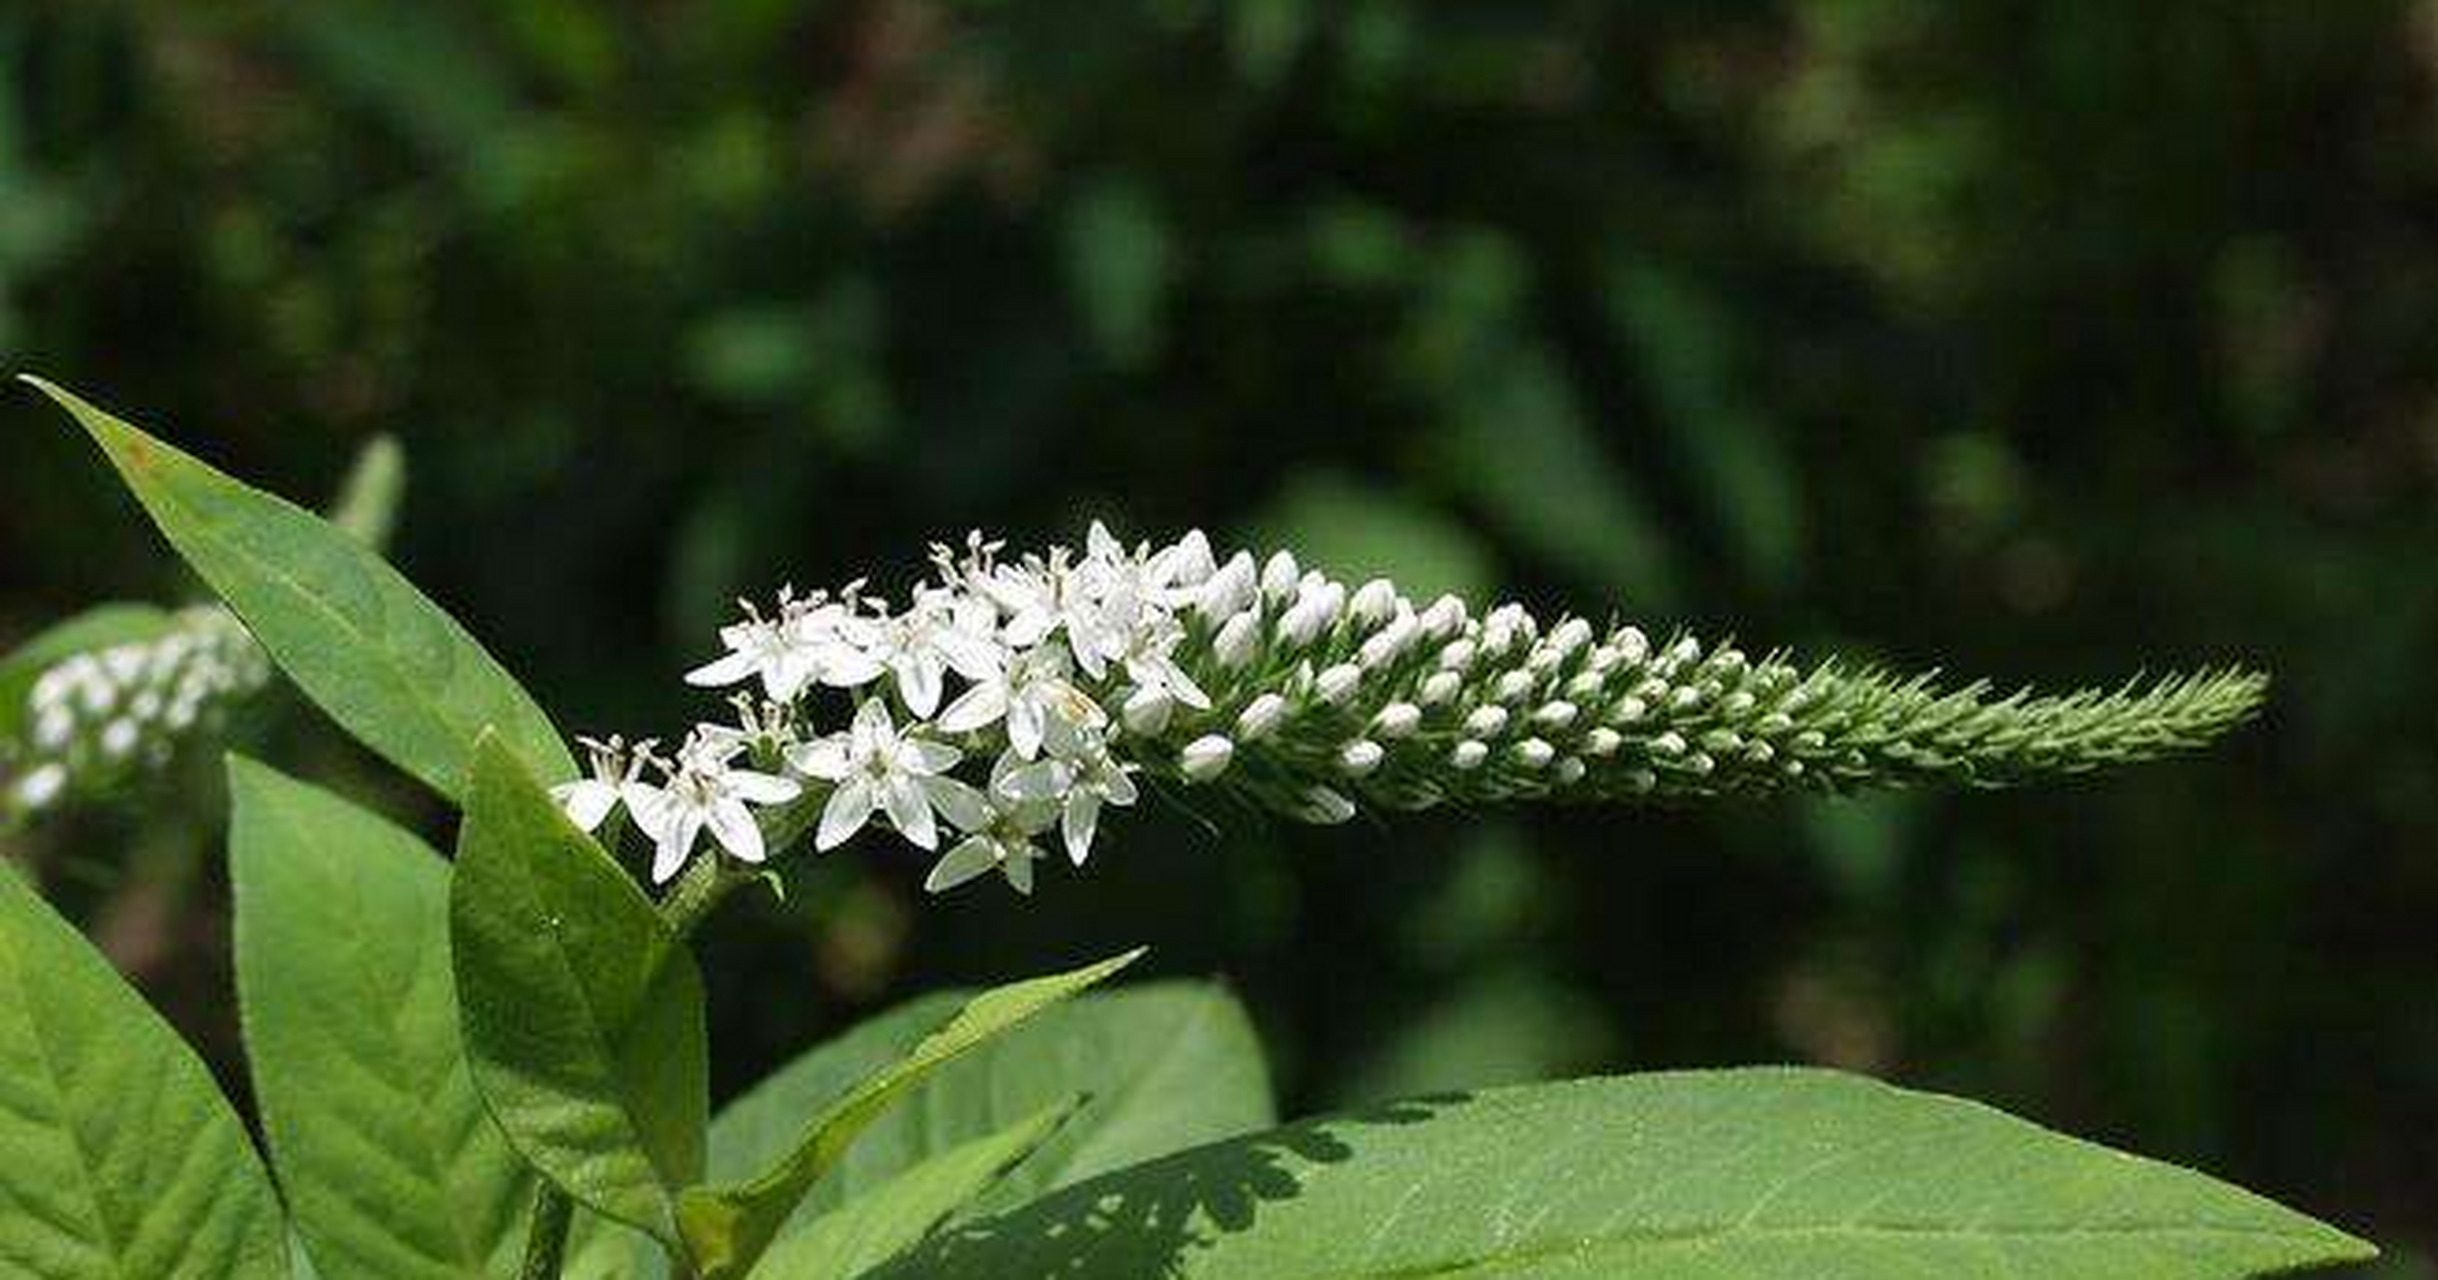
(1716, 1235)
(622, 1102)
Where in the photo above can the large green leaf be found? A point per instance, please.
(99, 627)
(1734, 1175)
(726, 1228)
(1162, 1066)
(882, 1223)
(583, 1012)
(389, 665)
(118, 1156)
(392, 1168)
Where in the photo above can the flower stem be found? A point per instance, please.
(546, 1243)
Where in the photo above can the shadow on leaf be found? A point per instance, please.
(1144, 1222)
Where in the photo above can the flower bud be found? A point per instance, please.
(1147, 712)
(1631, 645)
(1260, 716)
(1533, 753)
(1191, 560)
(1326, 806)
(1397, 720)
(1603, 741)
(1206, 757)
(1338, 684)
(1570, 771)
(1439, 686)
(1237, 640)
(1444, 618)
(1229, 591)
(1279, 577)
(1486, 721)
(1515, 686)
(1374, 602)
(1359, 757)
(1456, 656)
(1468, 754)
(1554, 715)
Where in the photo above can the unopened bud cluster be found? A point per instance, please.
(1050, 682)
(96, 719)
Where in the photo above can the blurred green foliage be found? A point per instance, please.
(2046, 341)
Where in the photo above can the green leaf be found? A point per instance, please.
(583, 1012)
(100, 627)
(122, 1159)
(1162, 1066)
(1754, 1175)
(875, 1227)
(384, 661)
(726, 1228)
(392, 1168)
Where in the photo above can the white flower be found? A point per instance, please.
(1148, 663)
(941, 632)
(875, 767)
(767, 648)
(999, 832)
(1080, 781)
(588, 801)
(1033, 694)
(703, 793)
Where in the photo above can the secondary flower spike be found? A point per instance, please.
(1051, 680)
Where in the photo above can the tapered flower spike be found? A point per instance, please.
(1054, 679)
(98, 719)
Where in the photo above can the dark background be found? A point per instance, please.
(2049, 342)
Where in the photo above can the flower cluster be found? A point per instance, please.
(97, 718)
(1011, 701)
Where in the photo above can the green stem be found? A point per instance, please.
(546, 1244)
(698, 889)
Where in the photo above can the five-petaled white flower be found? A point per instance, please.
(999, 832)
(873, 766)
(703, 793)
(1079, 779)
(1033, 691)
(941, 632)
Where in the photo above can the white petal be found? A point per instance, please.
(733, 826)
(960, 803)
(1117, 786)
(1182, 687)
(910, 811)
(918, 682)
(726, 670)
(1043, 780)
(670, 851)
(587, 803)
(849, 807)
(1081, 819)
(977, 707)
(824, 758)
(923, 756)
(1024, 725)
(972, 656)
(845, 668)
(762, 788)
(1018, 868)
(963, 863)
(649, 805)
